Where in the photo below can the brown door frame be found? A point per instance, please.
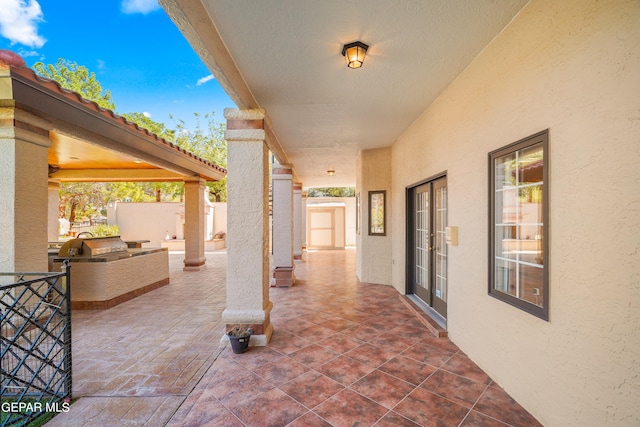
(410, 237)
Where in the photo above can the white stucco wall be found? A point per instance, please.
(373, 173)
(572, 67)
(152, 220)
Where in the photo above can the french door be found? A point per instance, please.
(427, 248)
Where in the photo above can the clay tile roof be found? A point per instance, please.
(12, 60)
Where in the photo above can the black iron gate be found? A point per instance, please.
(35, 353)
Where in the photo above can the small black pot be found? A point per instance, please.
(239, 344)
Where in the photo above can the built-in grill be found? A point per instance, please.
(88, 247)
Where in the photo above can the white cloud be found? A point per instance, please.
(139, 6)
(204, 80)
(147, 114)
(101, 64)
(19, 22)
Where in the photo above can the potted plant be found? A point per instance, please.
(239, 337)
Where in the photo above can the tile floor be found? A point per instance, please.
(343, 354)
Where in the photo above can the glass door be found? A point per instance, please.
(428, 248)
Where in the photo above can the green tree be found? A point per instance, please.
(331, 192)
(82, 200)
(208, 143)
(77, 78)
(152, 126)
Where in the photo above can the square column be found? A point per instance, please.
(248, 301)
(297, 221)
(303, 220)
(282, 184)
(23, 195)
(194, 259)
(53, 228)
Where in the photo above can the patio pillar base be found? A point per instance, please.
(258, 320)
(283, 277)
(198, 264)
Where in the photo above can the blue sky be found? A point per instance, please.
(133, 47)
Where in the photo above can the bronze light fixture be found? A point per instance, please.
(331, 171)
(354, 54)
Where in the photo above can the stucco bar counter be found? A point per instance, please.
(104, 281)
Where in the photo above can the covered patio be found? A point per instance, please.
(342, 352)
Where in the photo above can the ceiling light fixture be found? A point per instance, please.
(354, 54)
(331, 171)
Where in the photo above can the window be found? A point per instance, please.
(518, 225)
(377, 220)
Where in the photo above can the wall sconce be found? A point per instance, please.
(354, 54)
(331, 171)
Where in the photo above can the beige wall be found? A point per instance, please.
(572, 67)
(373, 173)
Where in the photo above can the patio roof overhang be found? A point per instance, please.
(285, 57)
(90, 143)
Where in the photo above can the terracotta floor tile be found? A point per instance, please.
(254, 357)
(288, 343)
(348, 408)
(341, 343)
(459, 389)
(272, 408)
(463, 366)
(393, 341)
(408, 369)
(316, 332)
(476, 419)
(393, 419)
(443, 344)
(207, 412)
(428, 409)
(309, 420)
(157, 359)
(244, 386)
(382, 388)
(425, 353)
(499, 405)
(314, 355)
(371, 355)
(311, 388)
(344, 370)
(282, 371)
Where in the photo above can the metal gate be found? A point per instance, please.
(35, 352)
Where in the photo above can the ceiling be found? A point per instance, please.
(285, 56)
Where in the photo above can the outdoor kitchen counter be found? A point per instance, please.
(115, 256)
(103, 281)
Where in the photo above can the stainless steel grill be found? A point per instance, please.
(88, 247)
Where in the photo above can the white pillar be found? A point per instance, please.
(248, 301)
(23, 196)
(53, 228)
(297, 221)
(194, 259)
(303, 225)
(282, 185)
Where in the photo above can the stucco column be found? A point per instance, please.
(23, 194)
(297, 221)
(282, 185)
(194, 259)
(303, 222)
(247, 225)
(53, 228)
